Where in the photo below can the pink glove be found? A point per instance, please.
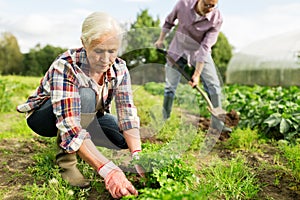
(115, 181)
(140, 170)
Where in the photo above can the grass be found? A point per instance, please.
(292, 154)
(244, 139)
(15, 127)
(232, 179)
(178, 170)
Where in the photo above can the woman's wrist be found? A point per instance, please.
(105, 169)
(135, 154)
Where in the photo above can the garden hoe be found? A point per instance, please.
(217, 112)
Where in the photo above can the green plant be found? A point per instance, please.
(175, 169)
(274, 111)
(292, 154)
(168, 176)
(54, 188)
(5, 95)
(245, 139)
(232, 179)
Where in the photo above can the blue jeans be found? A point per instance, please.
(209, 78)
(104, 129)
(210, 81)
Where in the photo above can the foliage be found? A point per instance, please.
(11, 59)
(232, 180)
(34, 63)
(39, 59)
(292, 154)
(222, 53)
(11, 85)
(140, 39)
(5, 95)
(169, 176)
(274, 111)
(45, 171)
(246, 139)
(175, 170)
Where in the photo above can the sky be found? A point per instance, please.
(58, 22)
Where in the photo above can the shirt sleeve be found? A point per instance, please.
(66, 105)
(208, 41)
(170, 19)
(126, 110)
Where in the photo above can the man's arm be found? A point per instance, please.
(160, 42)
(196, 76)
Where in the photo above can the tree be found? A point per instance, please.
(38, 60)
(140, 39)
(222, 53)
(11, 58)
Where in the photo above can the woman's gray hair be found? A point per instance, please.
(98, 24)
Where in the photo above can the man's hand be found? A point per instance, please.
(196, 76)
(118, 185)
(159, 44)
(194, 80)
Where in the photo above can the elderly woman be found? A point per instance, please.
(73, 103)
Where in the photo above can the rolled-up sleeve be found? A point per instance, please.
(170, 19)
(66, 106)
(208, 41)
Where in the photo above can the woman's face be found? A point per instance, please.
(101, 53)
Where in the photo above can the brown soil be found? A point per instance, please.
(16, 157)
(231, 120)
(276, 183)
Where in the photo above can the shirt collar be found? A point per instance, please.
(208, 16)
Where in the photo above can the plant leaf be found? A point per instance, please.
(273, 120)
(284, 126)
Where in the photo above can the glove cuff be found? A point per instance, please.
(107, 168)
(135, 154)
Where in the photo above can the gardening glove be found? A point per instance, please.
(140, 170)
(115, 181)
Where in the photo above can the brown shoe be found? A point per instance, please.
(69, 171)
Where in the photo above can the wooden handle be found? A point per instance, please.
(184, 74)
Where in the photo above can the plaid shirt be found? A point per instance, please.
(61, 83)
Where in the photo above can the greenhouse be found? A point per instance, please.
(271, 62)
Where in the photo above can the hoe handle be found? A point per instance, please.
(186, 76)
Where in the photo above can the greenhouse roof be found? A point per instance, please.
(272, 61)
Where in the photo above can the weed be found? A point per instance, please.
(292, 154)
(243, 140)
(232, 179)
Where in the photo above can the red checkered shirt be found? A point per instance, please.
(61, 83)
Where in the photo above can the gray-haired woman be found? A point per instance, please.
(73, 103)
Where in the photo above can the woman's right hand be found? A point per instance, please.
(118, 185)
